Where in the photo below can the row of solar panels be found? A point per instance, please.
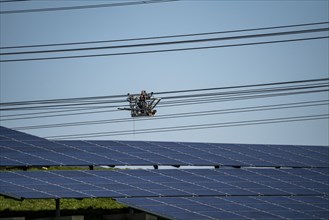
(237, 207)
(227, 193)
(165, 183)
(187, 194)
(20, 149)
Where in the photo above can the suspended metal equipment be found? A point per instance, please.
(142, 105)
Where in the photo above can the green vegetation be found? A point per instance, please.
(32, 208)
(91, 208)
(49, 204)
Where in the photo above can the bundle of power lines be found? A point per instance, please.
(169, 43)
(171, 99)
(39, 109)
(78, 7)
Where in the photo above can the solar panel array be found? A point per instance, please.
(165, 183)
(237, 207)
(20, 149)
(295, 184)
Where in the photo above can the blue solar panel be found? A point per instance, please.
(239, 207)
(155, 183)
(20, 149)
(289, 193)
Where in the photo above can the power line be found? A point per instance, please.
(176, 105)
(171, 42)
(64, 108)
(162, 51)
(67, 100)
(165, 104)
(214, 100)
(250, 91)
(65, 105)
(166, 36)
(186, 114)
(182, 97)
(194, 101)
(85, 6)
(48, 101)
(194, 127)
(244, 86)
(62, 115)
(9, 1)
(48, 112)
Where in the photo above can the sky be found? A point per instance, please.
(158, 72)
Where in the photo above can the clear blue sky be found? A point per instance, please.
(101, 76)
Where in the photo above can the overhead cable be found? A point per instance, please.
(171, 42)
(166, 36)
(85, 6)
(175, 103)
(250, 91)
(68, 100)
(9, 1)
(182, 98)
(215, 100)
(65, 105)
(244, 86)
(209, 101)
(61, 115)
(186, 114)
(193, 127)
(163, 51)
(49, 112)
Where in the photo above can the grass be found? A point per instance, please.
(49, 204)
(35, 208)
(91, 208)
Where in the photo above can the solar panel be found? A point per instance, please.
(9, 134)
(291, 193)
(164, 183)
(237, 207)
(20, 149)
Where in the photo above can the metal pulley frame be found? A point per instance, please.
(142, 105)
